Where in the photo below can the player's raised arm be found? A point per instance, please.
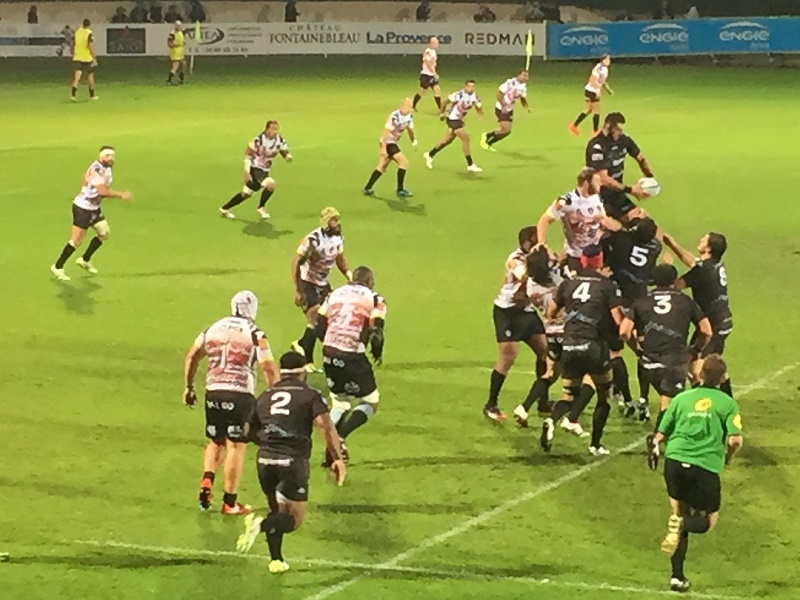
(334, 449)
(684, 255)
(193, 357)
(548, 217)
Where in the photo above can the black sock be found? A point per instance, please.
(235, 201)
(601, 412)
(621, 378)
(170, 76)
(500, 136)
(726, 387)
(644, 381)
(210, 475)
(679, 557)
(490, 138)
(436, 149)
(373, 179)
(561, 408)
(469, 159)
(438, 100)
(580, 119)
(307, 343)
(596, 122)
(94, 246)
(180, 76)
(356, 419)
(696, 523)
(91, 92)
(659, 418)
(538, 392)
(417, 98)
(229, 499)
(401, 179)
(74, 91)
(265, 196)
(275, 526)
(68, 251)
(580, 403)
(496, 382)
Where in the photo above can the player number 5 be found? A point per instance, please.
(638, 256)
(279, 401)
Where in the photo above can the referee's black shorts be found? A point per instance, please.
(699, 488)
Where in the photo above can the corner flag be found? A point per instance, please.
(528, 49)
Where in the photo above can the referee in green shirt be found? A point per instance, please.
(703, 430)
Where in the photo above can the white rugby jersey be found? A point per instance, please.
(96, 174)
(542, 297)
(429, 56)
(581, 218)
(462, 103)
(321, 251)
(266, 149)
(600, 72)
(397, 123)
(514, 276)
(512, 90)
(351, 309)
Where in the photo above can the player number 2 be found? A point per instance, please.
(279, 401)
(663, 304)
(638, 256)
(582, 292)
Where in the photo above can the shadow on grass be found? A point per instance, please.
(393, 509)
(265, 229)
(528, 456)
(403, 206)
(115, 560)
(199, 272)
(441, 364)
(77, 296)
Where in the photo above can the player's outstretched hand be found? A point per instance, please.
(189, 397)
(378, 360)
(414, 143)
(638, 192)
(339, 471)
(298, 299)
(127, 196)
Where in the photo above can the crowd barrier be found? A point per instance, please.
(757, 35)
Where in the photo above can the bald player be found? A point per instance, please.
(400, 121)
(429, 76)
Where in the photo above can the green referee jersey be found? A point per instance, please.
(697, 424)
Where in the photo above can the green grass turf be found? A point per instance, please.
(97, 447)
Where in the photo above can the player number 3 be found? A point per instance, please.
(663, 304)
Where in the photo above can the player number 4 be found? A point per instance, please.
(279, 401)
(582, 292)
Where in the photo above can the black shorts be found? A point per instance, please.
(555, 346)
(617, 203)
(455, 124)
(591, 96)
(312, 294)
(83, 67)
(584, 358)
(693, 485)
(427, 81)
(257, 177)
(506, 117)
(716, 345)
(515, 324)
(348, 373)
(392, 150)
(669, 379)
(84, 218)
(228, 415)
(286, 476)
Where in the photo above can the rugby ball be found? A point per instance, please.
(650, 186)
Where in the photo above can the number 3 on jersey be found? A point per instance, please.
(279, 402)
(582, 292)
(663, 305)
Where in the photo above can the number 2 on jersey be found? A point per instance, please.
(582, 292)
(279, 402)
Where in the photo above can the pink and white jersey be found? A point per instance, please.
(265, 149)
(320, 251)
(96, 174)
(542, 297)
(350, 310)
(462, 102)
(512, 91)
(581, 218)
(233, 345)
(395, 126)
(600, 72)
(429, 57)
(514, 275)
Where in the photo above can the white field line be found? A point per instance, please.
(437, 573)
(492, 513)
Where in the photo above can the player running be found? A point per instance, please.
(508, 93)
(319, 251)
(598, 80)
(399, 121)
(352, 319)
(462, 101)
(233, 346)
(176, 43)
(606, 152)
(86, 213)
(429, 76)
(282, 423)
(515, 320)
(258, 158)
(84, 59)
(703, 430)
(593, 308)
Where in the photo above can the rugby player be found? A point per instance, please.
(606, 152)
(598, 80)
(258, 158)
(282, 423)
(462, 101)
(352, 319)
(429, 76)
(319, 251)
(658, 326)
(703, 430)
(508, 93)
(593, 308)
(84, 60)
(515, 320)
(708, 280)
(176, 43)
(233, 346)
(86, 213)
(398, 122)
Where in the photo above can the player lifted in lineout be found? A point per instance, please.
(86, 213)
(350, 321)
(462, 101)
(598, 80)
(176, 43)
(319, 251)
(233, 346)
(84, 60)
(399, 121)
(258, 158)
(429, 76)
(508, 93)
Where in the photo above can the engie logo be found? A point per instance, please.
(208, 35)
(744, 31)
(585, 35)
(394, 37)
(664, 33)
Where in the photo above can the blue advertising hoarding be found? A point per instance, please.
(757, 35)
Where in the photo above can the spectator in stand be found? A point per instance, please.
(33, 15)
(665, 11)
(197, 14)
(139, 13)
(156, 12)
(290, 14)
(120, 16)
(424, 11)
(693, 13)
(172, 14)
(533, 12)
(484, 15)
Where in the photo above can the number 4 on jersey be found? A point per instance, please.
(582, 292)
